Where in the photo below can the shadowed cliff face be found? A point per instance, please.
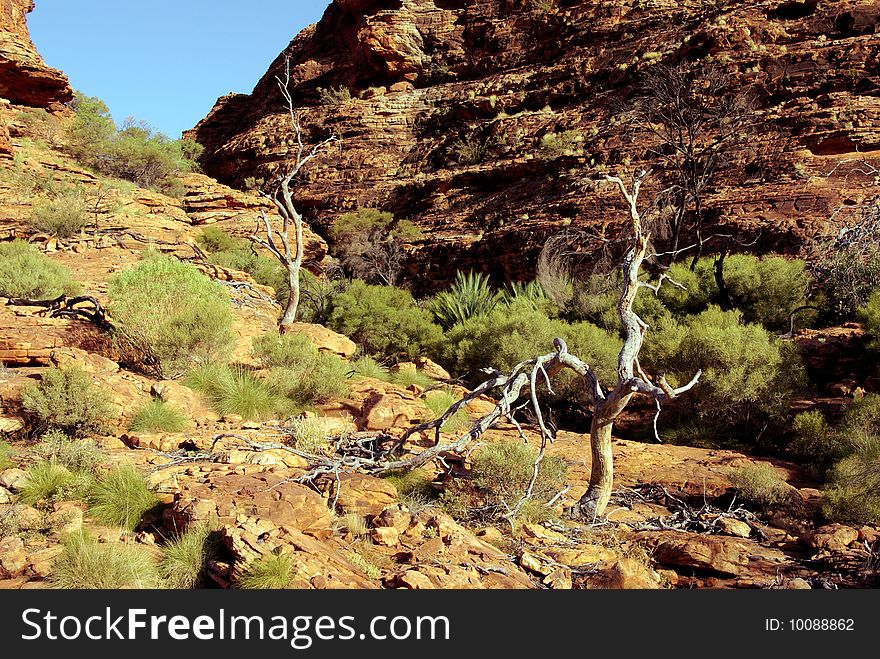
(427, 76)
(24, 77)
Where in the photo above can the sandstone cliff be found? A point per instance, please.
(425, 75)
(24, 77)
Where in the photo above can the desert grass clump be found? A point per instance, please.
(469, 296)
(368, 367)
(235, 391)
(87, 564)
(121, 498)
(270, 572)
(299, 372)
(26, 273)
(169, 316)
(760, 484)
(63, 216)
(67, 400)
(78, 455)
(49, 481)
(159, 416)
(408, 377)
(186, 556)
(500, 476)
(355, 524)
(311, 434)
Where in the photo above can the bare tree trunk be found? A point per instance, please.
(595, 499)
(288, 318)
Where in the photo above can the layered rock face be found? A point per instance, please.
(431, 79)
(24, 77)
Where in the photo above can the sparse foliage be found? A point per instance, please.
(372, 244)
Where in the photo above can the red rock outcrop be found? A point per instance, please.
(24, 77)
(426, 75)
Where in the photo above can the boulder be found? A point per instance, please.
(363, 494)
(626, 574)
(262, 496)
(14, 479)
(831, 538)
(734, 527)
(13, 557)
(325, 340)
(391, 408)
(711, 553)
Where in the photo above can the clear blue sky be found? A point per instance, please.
(166, 61)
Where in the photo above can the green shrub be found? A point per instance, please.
(26, 273)
(766, 290)
(75, 454)
(49, 481)
(186, 556)
(63, 216)
(500, 474)
(159, 416)
(300, 373)
(760, 484)
(235, 391)
(853, 495)
(384, 321)
(509, 335)
(270, 572)
(334, 95)
(471, 149)
(869, 314)
(469, 296)
(122, 497)
(87, 564)
(699, 289)
(171, 315)
(67, 400)
(6, 453)
(748, 377)
(816, 445)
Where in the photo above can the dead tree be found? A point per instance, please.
(697, 121)
(277, 239)
(381, 454)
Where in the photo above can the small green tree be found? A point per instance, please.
(170, 315)
(372, 244)
(384, 320)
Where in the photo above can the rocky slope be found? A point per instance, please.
(425, 75)
(673, 522)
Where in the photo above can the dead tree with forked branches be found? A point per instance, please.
(277, 239)
(380, 454)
